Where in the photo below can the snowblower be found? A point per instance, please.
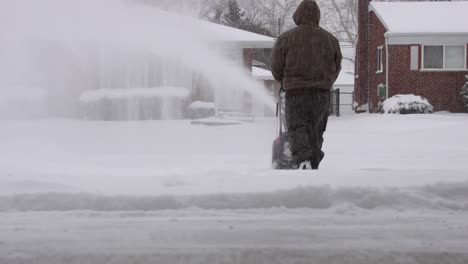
(281, 154)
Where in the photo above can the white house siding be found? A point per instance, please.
(67, 63)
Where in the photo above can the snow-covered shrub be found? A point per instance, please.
(464, 93)
(198, 109)
(407, 104)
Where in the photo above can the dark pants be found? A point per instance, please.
(307, 112)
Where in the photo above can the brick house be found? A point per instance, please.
(411, 48)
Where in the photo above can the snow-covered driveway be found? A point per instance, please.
(175, 157)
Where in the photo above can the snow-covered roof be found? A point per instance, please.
(261, 74)
(349, 53)
(345, 78)
(423, 22)
(258, 63)
(423, 17)
(123, 23)
(217, 32)
(240, 37)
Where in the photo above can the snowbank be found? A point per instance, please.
(453, 196)
(202, 105)
(198, 109)
(407, 104)
(266, 236)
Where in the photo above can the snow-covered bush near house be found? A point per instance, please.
(464, 93)
(199, 109)
(407, 104)
(162, 103)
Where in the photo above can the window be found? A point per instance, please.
(450, 57)
(455, 57)
(380, 59)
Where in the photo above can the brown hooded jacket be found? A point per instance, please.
(307, 56)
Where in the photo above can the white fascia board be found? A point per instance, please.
(248, 44)
(263, 78)
(427, 38)
(257, 44)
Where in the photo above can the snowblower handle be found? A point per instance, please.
(279, 109)
(282, 88)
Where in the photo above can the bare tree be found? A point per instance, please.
(340, 18)
(277, 14)
(212, 10)
(252, 11)
(273, 15)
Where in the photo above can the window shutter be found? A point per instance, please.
(414, 58)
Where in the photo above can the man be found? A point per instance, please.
(307, 59)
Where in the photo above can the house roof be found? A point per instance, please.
(345, 78)
(423, 17)
(261, 74)
(211, 31)
(349, 53)
(239, 37)
(258, 63)
(123, 23)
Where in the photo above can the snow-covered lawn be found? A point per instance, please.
(377, 198)
(175, 157)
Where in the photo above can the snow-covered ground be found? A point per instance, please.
(342, 235)
(392, 189)
(176, 157)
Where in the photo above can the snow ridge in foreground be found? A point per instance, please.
(453, 196)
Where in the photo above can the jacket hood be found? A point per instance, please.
(308, 12)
